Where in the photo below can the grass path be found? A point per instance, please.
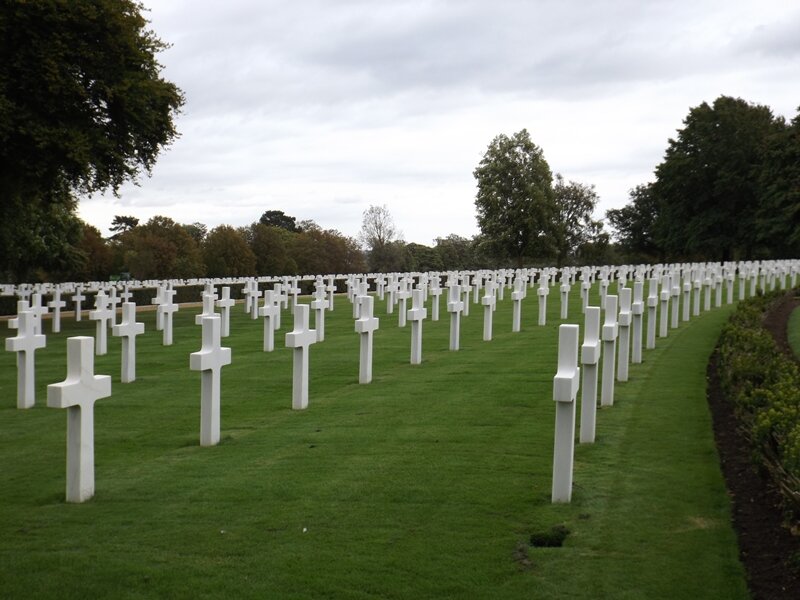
(426, 483)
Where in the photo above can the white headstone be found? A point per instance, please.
(365, 326)
(78, 299)
(209, 360)
(489, 302)
(590, 356)
(225, 303)
(167, 309)
(102, 314)
(624, 321)
(565, 389)
(208, 310)
(455, 307)
(57, 304)
(417, 315)
(128, 329)
(652, 305)
(78, 393)
(25, 343)
(270, 312)
(300, 338)
(516, 298)
(610, 333)
(319, 305)
(637, 311)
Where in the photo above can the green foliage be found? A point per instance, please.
(778, 215)
(161, 249)
(515, 200)
(226, 253)
(707, 184)
(575, 228)
(82, 109)
(635, 224)
(277, 218)
(763, 384)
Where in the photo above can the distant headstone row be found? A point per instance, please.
(82, 388)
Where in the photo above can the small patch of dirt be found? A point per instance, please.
(521, 557)
(777, 322)
(767, 549)
(552, 538)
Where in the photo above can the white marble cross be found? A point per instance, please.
(209, 360)
(225, 303)
(402, 299)
(489, 302)
(466, 291)
(675, 293)
(330, 288)
(113, 300)
(610, 333)
(300, 338)
(365, 326)
(565, 389)
(78, 299)
(455, 306)
(25, 343)
(167, 309)
(101, 314)
(158, 300)
(128, 329)
(652, 305)
(38, 310)
(637, 311)
(516, 297)
(663, 316)
(78, 393)
(687, 297)
(542, 292)
(320, 303)
(270, 312)
(435, 292)
(57, 304)
(565, 287)
(208, 310)
(624, 321)
(417, 314)
(590, 356)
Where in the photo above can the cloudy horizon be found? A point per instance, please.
(322, 109)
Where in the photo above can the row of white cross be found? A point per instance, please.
(623, 326)
(82, 388)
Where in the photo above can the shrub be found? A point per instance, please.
(764, 386)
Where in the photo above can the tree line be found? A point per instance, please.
(728, 188)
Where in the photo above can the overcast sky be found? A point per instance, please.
(322, 108)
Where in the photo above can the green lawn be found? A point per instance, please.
(426, 483)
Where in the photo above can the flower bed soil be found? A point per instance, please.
(768, 550)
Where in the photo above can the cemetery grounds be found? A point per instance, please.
(429, 482)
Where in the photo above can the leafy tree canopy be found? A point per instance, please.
(277, 218)
(83, 108)
(515, 201)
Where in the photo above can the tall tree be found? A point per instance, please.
(381, 238)
(161, 249)
(778, 217)
(277, 218)
(83, 108)
(122, 223)
(226, 253)
(515, 201)
(574, 226)
(635, 225)
(707, 185)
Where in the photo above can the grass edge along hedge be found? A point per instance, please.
(764, 385)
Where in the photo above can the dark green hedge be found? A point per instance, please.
(764, 385)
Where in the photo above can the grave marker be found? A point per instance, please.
(128, 329)
(417, 315)
(300, 338)
(78, 393)
(25, 344)
(365, 326)
(209, 360)
(590, 356)
(610, 333)
(565, 389)
(101, 314)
